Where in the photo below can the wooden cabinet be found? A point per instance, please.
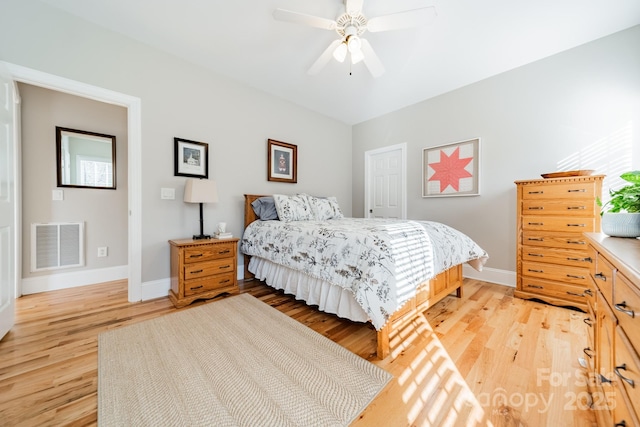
(552, 259)
(615, 273)
(202, 269)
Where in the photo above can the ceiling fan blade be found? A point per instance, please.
(324, 58)
(371, 60)
(353, 7)
(401, 20)
(301, 18)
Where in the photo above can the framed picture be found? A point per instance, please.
(191, 158)
(282, 163)
(451, 169)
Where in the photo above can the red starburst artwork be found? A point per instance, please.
(451, 170)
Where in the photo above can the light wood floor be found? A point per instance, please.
(519, 358)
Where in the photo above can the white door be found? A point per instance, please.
(7, 205)
(385, 182)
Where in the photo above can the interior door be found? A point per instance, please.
(7, 204)
(386, 183)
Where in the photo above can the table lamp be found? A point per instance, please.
(200, 191)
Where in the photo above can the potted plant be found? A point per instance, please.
(621, 214)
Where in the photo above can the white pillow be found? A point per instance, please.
(293, 208)
(325, 208)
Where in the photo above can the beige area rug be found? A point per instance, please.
(234, 362)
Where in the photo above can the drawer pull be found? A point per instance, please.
(575, 294)
(588, 321)
(576, 242)
(535, 286)
(195, 255)
(225, 281)
(536, 239)
(573, 276)
(538, 255)
(226, 251)
(603, 379)
(536, 223)
(580, 190)
(536, 192)
(224, 267)
(579, 259)
(535, 271)
(600, 276)
(622, 377)
(621, 307)
(535, 208)
(588, 292)
(587, 351)
(574, 208)
(622, 423)
(196, 271)
(575, 225)
(197, 287)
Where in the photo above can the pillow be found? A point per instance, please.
(324, 208)
(293, 208)
(265, 208)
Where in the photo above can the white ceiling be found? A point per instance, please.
(468, 41)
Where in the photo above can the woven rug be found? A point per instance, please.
(234, 362)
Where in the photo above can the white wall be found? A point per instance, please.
(183, 100)
(546, 116)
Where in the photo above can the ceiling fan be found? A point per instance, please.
(350, 26)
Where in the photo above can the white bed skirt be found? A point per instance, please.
(328, 297)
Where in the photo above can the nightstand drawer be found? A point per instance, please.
(208, 268)
(194, 287)
(206, 253)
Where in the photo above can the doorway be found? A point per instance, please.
(386, 182)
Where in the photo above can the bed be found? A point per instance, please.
(381, 271)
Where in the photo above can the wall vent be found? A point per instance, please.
(57, 245)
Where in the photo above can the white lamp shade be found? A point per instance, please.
(200, 191)
(341, 52)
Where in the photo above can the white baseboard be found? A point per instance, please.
(493, 275)
(53, 282)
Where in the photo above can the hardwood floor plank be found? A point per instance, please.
(506, 349)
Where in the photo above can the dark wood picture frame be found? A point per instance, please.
(282, 161)
(191, 158)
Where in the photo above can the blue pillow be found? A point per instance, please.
(265, 208)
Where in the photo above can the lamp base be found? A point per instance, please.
(201, 236)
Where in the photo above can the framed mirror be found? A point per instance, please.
(85, 159)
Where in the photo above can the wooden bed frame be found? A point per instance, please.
(429, 292)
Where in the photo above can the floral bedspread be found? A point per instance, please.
(381, 261)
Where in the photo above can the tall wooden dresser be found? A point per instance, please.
(552, 262)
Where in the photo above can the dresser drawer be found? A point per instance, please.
(208, 252)
(573, 275)
(603, 278)
(208, 268)
(626, 304)
(554, 239)
(627, 367)
(575, 190)
(578, 207)
(554, 289)
(572, 257)
(197, 286)
(551, 223)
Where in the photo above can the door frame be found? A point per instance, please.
(134, 129)
(368, 155)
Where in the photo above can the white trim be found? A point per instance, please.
(493, 275)
(53, 282)
(367, 168)
(134, 124)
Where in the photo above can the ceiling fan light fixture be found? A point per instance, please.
(341, 52)
(354, 44)
(356, 56)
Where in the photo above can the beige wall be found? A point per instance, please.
(575, 110)
(104, 212)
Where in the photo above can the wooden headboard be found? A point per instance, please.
(249, 217)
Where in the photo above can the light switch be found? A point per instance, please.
(57, 195)
(167, 193)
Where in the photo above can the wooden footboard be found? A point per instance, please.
(428, 294)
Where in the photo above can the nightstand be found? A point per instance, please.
(202, 269)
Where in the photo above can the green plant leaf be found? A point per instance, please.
(633, 177)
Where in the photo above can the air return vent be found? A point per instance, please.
(57, 245)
